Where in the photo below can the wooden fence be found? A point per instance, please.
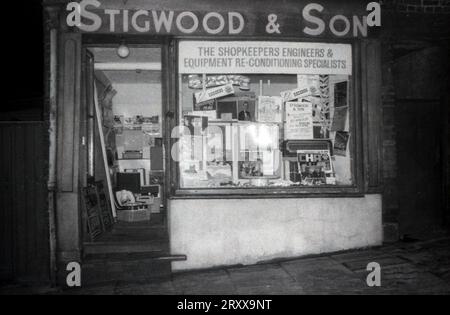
(24, 229)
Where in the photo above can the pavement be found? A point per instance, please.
(421, 267)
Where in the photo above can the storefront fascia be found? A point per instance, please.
(231, 225)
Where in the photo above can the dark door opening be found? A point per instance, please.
(421, 148)
(420, 162)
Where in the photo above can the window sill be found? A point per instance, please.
(269, 193)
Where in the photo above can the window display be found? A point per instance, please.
(260, 128)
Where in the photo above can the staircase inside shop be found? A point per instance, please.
(130, 252)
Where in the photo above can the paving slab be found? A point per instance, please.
(324, 275)
(161, 288)
(406, 268)
(436, 261)
(408, 279)
(368, 255)
(264, 279)
(383, 261)
(216, 282)
(106, 289)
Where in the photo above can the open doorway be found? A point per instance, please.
(421, 141)
(125, 149)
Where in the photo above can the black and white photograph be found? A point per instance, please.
(225, 154)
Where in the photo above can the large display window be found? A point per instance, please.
(265, 115)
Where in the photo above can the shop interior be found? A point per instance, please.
(128, 139)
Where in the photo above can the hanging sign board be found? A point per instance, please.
(216, 92)
(228, 57)
(295, 94)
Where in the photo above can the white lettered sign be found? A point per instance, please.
(295, 94)
(216, 92)
(229, 57)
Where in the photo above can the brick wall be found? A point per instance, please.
(404, 34)
(447, 101)
(422, 6)
(390, 194)
(49, 22)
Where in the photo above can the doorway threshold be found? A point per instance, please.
(130, 252)
(150, 237)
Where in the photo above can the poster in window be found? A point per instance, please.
(219, 173)
(299, 121)
(260, 164)
(339, 119)
(193, 174)
(298, 93)
(205, 106)
(246, 109)
(259, 153)
(227, 110)
(207, 109)
(315, 167)
(257, 137)
(270, 109)
(214, 93)
(340, 94)
(310, 82)
(341, 143)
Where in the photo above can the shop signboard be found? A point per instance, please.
(355, 18)
(243, 57)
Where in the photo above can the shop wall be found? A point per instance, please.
(215, 232)
(390, 193)
(409, 26)
(137, 99)
(447, 101)
(427, 6)
(410, 73)
(24, 230)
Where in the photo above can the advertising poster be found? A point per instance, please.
(299, 121)
(310, 82)
(295, 94)
(270, 109)
(341, 143)
(340, 94)
(205, 106)
(213, 93)
(339, 119)
(315, 167)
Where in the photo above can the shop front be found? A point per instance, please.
(252, 130)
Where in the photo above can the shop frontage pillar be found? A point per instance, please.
(68, 223)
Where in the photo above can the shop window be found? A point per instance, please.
(265, 130)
